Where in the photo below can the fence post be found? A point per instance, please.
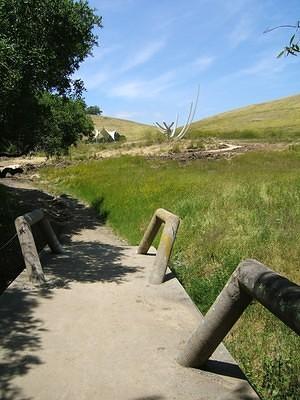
(31, 257)
(29, 251)
(149, 235)
(51, 238)
(166, 243)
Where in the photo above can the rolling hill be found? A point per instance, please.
(278, 119)
(275, 119)
(132, 130)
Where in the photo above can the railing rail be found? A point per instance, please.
(23, 226)
(166, 243)
(251, 280)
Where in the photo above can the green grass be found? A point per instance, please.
(275, 120)
(248, 206)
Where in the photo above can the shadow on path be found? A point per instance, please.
(67, 215)
(19, 338)
(223, 368)
(85, 262)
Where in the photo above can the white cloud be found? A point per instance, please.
(144, 88)
(144, 55)
(202, 63)
(127, 114)
(241, 32)
(101, 52)
(92, 81)
(130, 89)
(95, 78)
(265, 66)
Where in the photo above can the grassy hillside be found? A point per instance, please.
(279, 119)
(132, 130)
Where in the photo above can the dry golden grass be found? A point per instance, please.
(132, 130)
(279, 119)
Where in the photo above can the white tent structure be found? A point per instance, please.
(106, 136)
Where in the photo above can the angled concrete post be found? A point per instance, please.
(29, 251)
(250, 280)
(165, 245)
(50, 236)
(31, 257)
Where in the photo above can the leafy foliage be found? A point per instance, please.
(94, 110)
(293, 47)
(42, 43)
(65, 122)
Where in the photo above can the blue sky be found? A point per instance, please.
(153, 54)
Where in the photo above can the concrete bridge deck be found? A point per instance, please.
(98, 330)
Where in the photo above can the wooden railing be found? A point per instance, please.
(166, 243)
(29, 250)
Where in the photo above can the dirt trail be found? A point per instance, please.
(182, 150)
(34, 160)
(72, 213)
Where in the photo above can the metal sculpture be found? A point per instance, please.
(171, 129)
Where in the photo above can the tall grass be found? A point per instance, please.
(231, 210)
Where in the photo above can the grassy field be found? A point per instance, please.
(248, 206)
(278, 119)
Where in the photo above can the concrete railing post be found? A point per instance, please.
(50, 236)
(149, 235)
(250, 280)
(31, 257)
(165, 245)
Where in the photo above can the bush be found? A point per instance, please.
(65, 122)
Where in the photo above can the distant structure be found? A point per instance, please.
(107, 136)
(171, 129)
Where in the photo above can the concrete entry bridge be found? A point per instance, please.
(99, 330)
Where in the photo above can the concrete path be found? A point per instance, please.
(98, 330)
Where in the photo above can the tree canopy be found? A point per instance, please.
(94, 110)
(42, 43)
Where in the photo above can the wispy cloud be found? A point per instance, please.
(99, 53)
(202, 63)
(127, 114)
(163, 22)
(241, 32)
(115, 4)
(144, 88)
(145, 54)
(265, 66)
(108, 72)
(93, 81)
